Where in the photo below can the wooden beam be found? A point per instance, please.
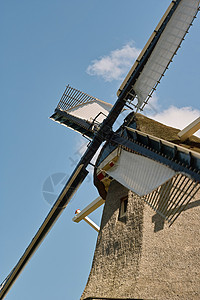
(89, 221)
(88, 209)
(189, 130)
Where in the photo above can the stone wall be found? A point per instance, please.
(139, 256)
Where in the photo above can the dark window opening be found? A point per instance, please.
(123, 206)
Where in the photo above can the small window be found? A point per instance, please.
(123, 206)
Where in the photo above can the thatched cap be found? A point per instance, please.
(164, 132)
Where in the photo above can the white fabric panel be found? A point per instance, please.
(139, 174)
(88, 111)
(165, 48)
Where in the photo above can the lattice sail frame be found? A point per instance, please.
(72, 98)
(165, 49)
(81, 112)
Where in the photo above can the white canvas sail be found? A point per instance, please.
(139, 174)
(165, 49)
(96, 110)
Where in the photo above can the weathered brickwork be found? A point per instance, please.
(139, 256)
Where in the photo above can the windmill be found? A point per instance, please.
(179, 165)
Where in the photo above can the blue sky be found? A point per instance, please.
(46, 45)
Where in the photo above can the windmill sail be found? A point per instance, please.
(139, 174)
(75, 180)
(80, 111)
(157, 54)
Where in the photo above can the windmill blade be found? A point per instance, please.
(68, 191)
(75, 180)
(81, 112)
(138, 173)
(150, 66)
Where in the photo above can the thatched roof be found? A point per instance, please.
(164, 132)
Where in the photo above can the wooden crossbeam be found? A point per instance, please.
(189, 130)
(88, 209)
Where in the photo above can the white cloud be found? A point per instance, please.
(177, 117)
(115, 65)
